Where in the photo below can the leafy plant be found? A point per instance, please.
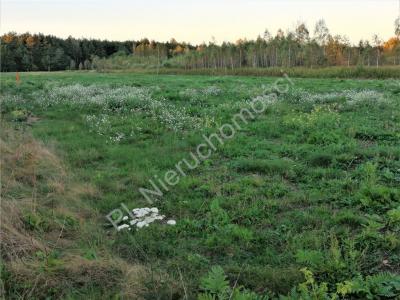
(216, 283)
(216, 287)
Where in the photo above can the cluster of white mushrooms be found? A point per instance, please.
(142, 217)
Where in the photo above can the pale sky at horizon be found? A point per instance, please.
(195, 21)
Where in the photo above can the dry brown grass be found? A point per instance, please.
(74, 272)
(16, 242)
(60, 276)
(35, 184)
(22, 160)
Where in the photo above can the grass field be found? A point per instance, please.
(353, 72)
(303, 201)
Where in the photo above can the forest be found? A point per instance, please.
(300, 47)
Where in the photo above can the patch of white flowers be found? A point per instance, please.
(122, 101)
(198, 94)
(104, 97)
(350, 96)
(354, 97)
(13, 102)
(119, 136)
(392, 83)
(100, 124)
(142, 217)
(192, 94)
(171, 116)
(266, 99)
(211, 91)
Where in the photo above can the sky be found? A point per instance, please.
(195, 21)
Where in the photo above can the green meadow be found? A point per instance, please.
(303, 202)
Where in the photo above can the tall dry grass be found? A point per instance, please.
(45, 227)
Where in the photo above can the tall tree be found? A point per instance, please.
(378, 45)
(321, 32)
(397, 27)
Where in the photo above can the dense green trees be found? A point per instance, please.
(26, 52)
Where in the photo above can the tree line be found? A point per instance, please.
(298, 47)
(39, 52)
(294, 48)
